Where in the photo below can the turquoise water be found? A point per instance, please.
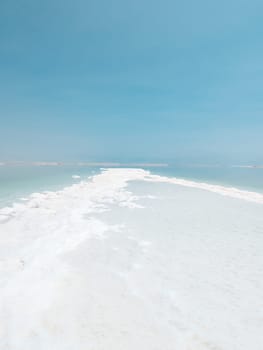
(250, 179)
(20, 181)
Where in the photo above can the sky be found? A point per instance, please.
(114, 80)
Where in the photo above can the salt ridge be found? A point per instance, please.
(119, 178)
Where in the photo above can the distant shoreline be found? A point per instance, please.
(88, 164)
(248, 166)
(114, 164)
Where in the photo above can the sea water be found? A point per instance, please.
(21, 181)
(249, 178)
(132, 259)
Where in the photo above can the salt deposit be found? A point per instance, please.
(132, 260)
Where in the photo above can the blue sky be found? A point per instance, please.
(135, 80)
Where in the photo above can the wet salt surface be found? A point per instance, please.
(152, 265)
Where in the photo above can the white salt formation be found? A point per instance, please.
(130, 260)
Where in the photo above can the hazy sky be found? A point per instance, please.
(141, 80)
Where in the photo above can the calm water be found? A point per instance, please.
(20, 181)
(244, 178)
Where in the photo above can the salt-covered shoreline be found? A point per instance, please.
(123, 176)
(99, 265)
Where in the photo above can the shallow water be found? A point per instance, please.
(131, 260)
(21, 181)
(244, 178)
